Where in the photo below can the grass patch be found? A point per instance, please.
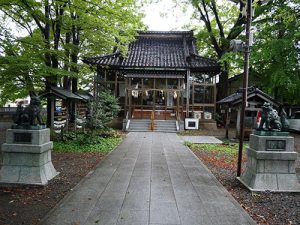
(102, 142)
(225, 148)
(228, 149)
(220, 155)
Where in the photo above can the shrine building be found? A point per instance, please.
(162, 77)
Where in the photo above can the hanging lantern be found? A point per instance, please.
(135, 94)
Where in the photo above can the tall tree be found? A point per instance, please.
(276, 52)
(220, 22)
(71, 29)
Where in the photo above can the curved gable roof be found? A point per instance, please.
(155, 49)
(236, 97)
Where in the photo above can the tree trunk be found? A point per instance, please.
(49, 79)
(223, 83)
(66, 79)
(74, 59)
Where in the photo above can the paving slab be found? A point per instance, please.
(201, 139)
(151, 178)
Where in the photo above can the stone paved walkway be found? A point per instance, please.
(151, 178)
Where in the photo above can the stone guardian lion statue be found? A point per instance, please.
(270, 121)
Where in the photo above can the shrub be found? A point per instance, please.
(102, 142)
(102, 110)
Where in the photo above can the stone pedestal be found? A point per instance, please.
(27, 157)
(208, 124)
(271, 164)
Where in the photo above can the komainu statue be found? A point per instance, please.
(30, 115)
(270, 121)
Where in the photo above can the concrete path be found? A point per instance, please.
(151, 178)
(201, 139)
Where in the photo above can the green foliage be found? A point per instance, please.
(22, 68)
(103, 109)
(276, 53)
(219, 155)
(86, 142)
(55, 36)
(219, 24)
(187, 143)
(229, 149)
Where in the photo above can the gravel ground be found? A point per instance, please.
(264, 208)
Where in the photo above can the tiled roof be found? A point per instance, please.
(156, 49)
(60, 93)
(85, 96)
(252, 91)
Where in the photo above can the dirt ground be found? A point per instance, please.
(28, 205)
(264, 207)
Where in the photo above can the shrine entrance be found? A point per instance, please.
(161, 96)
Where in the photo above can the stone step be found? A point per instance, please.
(142, 125)
(165, 125)
(162, 131)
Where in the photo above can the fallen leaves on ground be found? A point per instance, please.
(265, 208)
(28, 205)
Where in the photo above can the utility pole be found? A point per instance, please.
(245, 85)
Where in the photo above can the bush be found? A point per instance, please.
(86, 142)
(103, 110)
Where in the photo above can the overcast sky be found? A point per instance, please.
(163, 16)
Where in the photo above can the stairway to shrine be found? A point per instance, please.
(142, 125)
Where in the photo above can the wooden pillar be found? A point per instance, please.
(215, 99)
(238, 121)
(67, 115)
(181, 97)
(166, 97)
(193, 96)
(178, 97)
(126, 96)
(154, 96)
(142, 99)
(75, 112)
(227, 121)
(188, 75)
(130, 98)
(116, 84)
(52, 102)
(177, 104)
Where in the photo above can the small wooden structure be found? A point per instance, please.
(231, 107)
(62, 116)
(162, 73)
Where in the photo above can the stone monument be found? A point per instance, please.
(271, 156)
(27, 151)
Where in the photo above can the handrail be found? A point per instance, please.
(152, 121)
(127, 114)
(177, 114)
(177, 119)
(127, 122)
